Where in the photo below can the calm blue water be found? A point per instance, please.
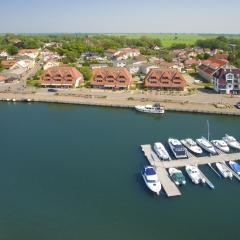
(72, 172)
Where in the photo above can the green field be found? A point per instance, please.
(169, 39)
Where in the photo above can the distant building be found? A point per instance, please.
(31, 53)
(165, 80)
(227, 81)
(51, 64)
(8, 63)
(2, 79)
(3, 54)
(61, 77)
(24, 64)
(208, 67)
(113, 78)
(122, 54)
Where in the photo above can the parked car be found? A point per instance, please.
(237, 105)
(52, 90)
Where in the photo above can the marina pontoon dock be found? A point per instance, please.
(161, 166)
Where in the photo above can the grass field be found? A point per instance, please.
(169, 39)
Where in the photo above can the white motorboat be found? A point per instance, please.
(195, 175)
(151, 179)
(225, 172)
(221, 145)
(161, 151)
(156, 108)
(206, 145)
(231, 141)
(235, 167)
(191, 145)
(177, 148)
(177, 176)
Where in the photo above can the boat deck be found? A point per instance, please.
(170, 188)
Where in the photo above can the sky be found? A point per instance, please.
(120, 16)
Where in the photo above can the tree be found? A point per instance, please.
(168, 57)
(12, 50)
(86, 72)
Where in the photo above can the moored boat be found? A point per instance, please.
(191, 145)
(224, 171)
(206, 145)
(177, 148)
(177, 176)
(151, 179)
(161, 151)
(231, 141)
(221, 145)
(194, 174)
(156, 108)
(235, 167)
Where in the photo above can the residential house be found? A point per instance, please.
(2, 79)
(227, 80)
(63, 76)
(51, 64)
(3, 54)
(122, 54)
(24, 64)
(97, 66)
(31, 53)
(8, 63)
(145, 69)
(165, 79)
(113, 78)
(191, 64)
(208, 67)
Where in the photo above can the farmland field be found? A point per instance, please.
(169, 39)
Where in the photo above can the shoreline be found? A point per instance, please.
(176, 106)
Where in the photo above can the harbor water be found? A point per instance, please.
(72, 172)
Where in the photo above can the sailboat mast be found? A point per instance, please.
(208, 129)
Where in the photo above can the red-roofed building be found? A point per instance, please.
(8, 63)
(227, 81)
(32, 53)
(114, 78)
(2, 78)
(61, 77)
(210, 66)
(165, 79)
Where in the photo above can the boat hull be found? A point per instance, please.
(143, 110)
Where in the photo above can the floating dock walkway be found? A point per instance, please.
(169, 187)
(161, 166)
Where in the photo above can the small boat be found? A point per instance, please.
(156, 108)
(177, 176)
(177, 148)
(191, 145)
(195, 175)
(221, 145)
(235, 167)
(14, 100)
(231, 141)
(206, 145)
(161, 151)
(151, 179)
(225, 172)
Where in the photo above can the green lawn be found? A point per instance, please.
(169, 39)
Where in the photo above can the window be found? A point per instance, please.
(99, 76)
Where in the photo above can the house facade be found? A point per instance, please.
(227, 81)
(165, 79)
(112, 78)
(64, 76)
(209, 67)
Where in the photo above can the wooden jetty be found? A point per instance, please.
(161, 166)
(169, 187)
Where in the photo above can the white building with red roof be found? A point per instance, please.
(208, 67)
